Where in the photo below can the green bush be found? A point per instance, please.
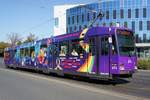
(143, 64)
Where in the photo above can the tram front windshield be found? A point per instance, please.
(126, 43)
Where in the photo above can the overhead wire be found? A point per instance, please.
(48, 20)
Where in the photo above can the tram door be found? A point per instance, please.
(50, 56)
(53, 53)
(94, 51)
(104, 56)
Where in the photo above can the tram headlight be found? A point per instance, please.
(121, 66)
(114, 66)
(135, 67)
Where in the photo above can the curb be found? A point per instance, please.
(143, 70)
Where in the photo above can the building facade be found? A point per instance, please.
(133, 14)
(60, 19)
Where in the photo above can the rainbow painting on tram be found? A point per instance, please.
(96, 52)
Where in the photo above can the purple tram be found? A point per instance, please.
(96, 52)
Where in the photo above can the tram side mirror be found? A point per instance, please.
(110, 39)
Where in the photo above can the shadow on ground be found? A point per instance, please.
(79, 78)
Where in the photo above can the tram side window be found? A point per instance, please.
(13, 53)
(92, 43)
(27, 52)
(63, 48)
(104, 46)
(43, 50)
(114, 45)
(50, 50)
(6, 54)
(75, 48)
(44, 46)
(55, 49)
(32, 53)
(22, 52)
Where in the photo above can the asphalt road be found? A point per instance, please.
(23, 85)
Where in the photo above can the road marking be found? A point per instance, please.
(75, 85)
(146, 88)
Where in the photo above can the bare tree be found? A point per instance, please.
(31, 38)
(14, 38)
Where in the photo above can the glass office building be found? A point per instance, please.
(133, 14)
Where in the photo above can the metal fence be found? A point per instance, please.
(144, 55)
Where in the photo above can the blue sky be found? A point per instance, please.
(25, 16)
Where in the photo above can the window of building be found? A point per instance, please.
(77, 18)
(85, 26)
(129, 13)
(88, 17)
(140, 25)
(72, 19)
(121, 13)
(82, 17)
(94, 15)
(114, 14)
(97, 24)
(147, 40)
(70, 29)
(107, 14)
(56, 22)
(144, 13)
(67, 29)
(104, 24)
(111, 24)
(133, 25)
(75, 28)
(68, 20)
(80, 27)
(126, 24)
(136, 13)
(144, 38)
(137, 38)
(148, 25)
